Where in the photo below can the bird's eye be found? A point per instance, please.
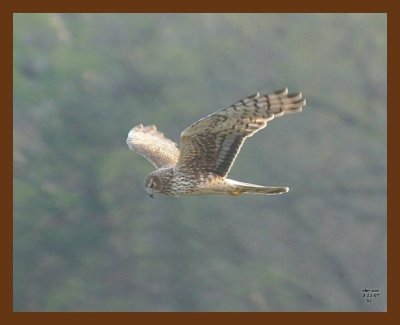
(151, 184)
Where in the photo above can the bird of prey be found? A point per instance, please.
(209, 147)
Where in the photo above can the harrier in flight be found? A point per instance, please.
(209, 147)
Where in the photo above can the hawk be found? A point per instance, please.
(209, 147)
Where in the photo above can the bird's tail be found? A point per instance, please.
(238, 188)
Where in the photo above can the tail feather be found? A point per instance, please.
(238, 188)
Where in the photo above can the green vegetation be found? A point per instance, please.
(87, 237)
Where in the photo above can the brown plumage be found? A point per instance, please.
(209, 147)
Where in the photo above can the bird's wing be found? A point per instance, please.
(153, 145)
(211, 144)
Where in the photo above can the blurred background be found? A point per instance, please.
(88, 238)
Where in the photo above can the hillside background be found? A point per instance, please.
(88, 238)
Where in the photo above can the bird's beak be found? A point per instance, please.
(150, 192)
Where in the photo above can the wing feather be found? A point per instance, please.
(211, 144)
(153, 145)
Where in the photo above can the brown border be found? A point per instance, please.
(6, 69)
(40, 6)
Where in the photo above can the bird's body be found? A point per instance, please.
(209, 147)
(176, 183)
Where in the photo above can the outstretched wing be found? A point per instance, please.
(212, 143)
(153, 145)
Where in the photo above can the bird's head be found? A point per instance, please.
(152, 184)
